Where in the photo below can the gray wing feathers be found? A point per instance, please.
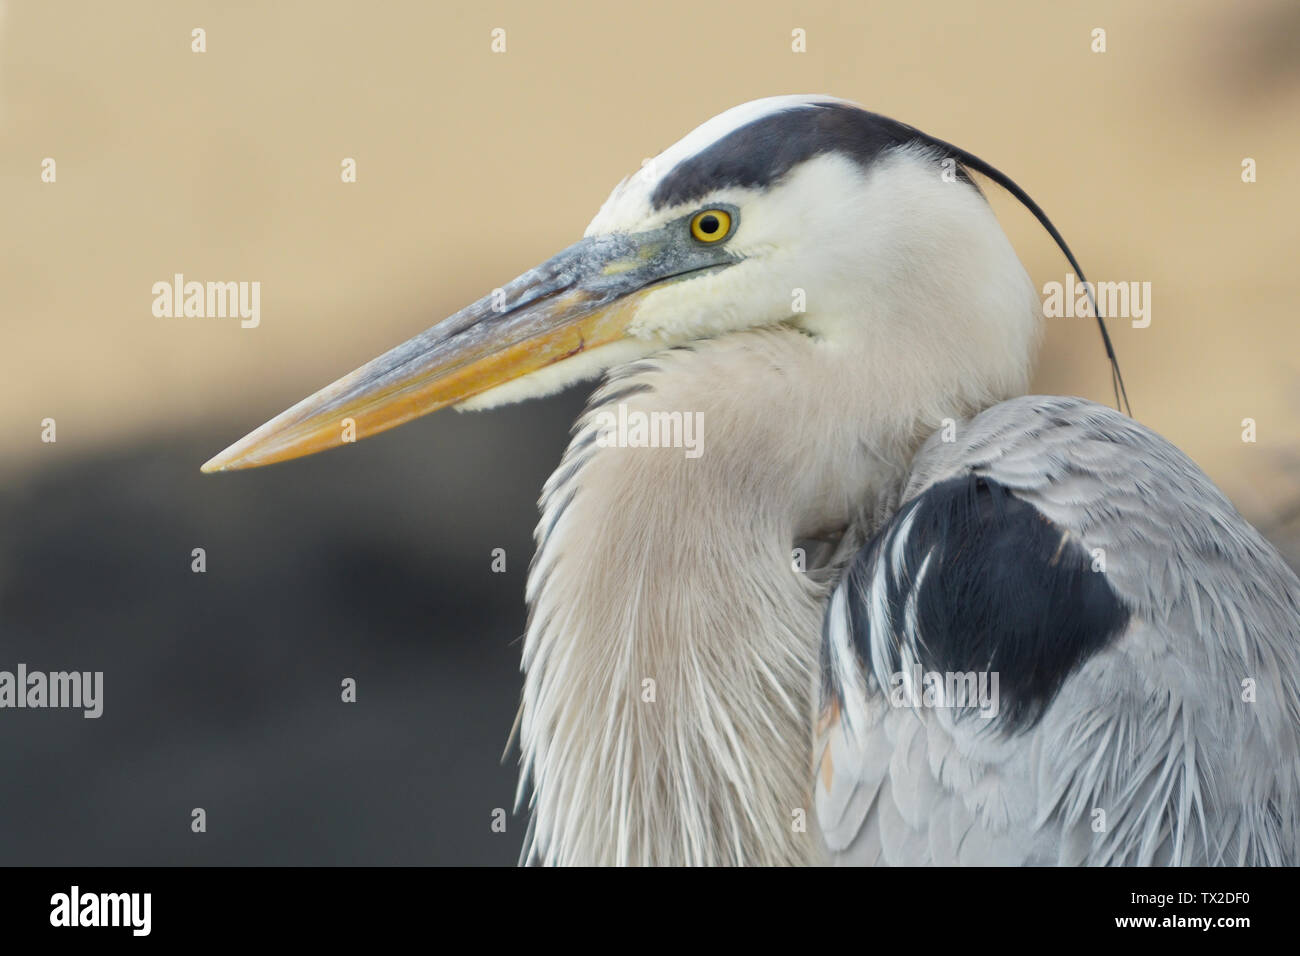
(1178, 743)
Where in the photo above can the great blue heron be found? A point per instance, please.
(828, 293)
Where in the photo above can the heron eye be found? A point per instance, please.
(711, 225)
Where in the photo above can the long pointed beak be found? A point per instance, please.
(580, 299)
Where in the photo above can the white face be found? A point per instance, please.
(899, 256)
(791, 236)
(834, 247)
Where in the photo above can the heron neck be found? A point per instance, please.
(673, 642)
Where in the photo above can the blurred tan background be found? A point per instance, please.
(472, 166)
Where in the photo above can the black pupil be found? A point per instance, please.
(709, 225)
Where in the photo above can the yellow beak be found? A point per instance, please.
(581, 299)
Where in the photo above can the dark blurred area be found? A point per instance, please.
(222, 689)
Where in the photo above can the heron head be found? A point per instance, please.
(804, 211)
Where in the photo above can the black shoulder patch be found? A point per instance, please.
(761, 152)
(1003, 591)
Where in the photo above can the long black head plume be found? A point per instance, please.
(972, 161)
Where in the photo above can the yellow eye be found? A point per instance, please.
(711, 225)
